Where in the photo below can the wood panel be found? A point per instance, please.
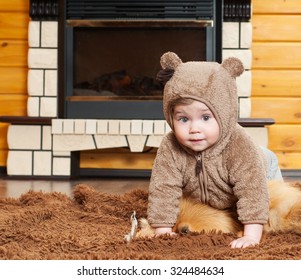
(285, 138)
(275, 83)
(276, 75)
(13, 53)
(14, 20)
(276, 6)
(282, 110)
(3, 144)
(276, 55)
(281, 28)
(13, 105)
(3, 141)
(14, 25)
(14, 5)
(289, 160)
(3, 157)
(13, 80)
(117, 159)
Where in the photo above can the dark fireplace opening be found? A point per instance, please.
(110, 54)
(121, 63)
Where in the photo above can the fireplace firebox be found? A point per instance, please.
(110, 50)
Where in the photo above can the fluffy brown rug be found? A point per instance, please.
(92, 225)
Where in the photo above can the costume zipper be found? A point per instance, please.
(201, 173)
(198, 166)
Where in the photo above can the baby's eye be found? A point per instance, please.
(183, 119)
(206, 117)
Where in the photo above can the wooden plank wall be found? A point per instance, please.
(13, 64)
(276, 72)
(276, 75)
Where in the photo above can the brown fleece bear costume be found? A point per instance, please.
(231, 173)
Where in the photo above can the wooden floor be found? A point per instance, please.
(15, 187)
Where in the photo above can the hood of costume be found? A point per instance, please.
(231, 173)
(209, 82)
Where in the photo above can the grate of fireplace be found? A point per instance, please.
(183, 9)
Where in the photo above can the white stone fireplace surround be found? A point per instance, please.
(45, 150)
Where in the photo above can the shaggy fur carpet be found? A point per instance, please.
(92, 225)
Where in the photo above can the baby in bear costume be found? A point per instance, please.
(207, 155)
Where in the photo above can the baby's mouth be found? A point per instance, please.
(196, 140)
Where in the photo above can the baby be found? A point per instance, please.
(208, 156)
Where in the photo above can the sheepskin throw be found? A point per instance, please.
(92, 225)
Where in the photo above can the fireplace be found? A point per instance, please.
(111, 52)
(66, 118)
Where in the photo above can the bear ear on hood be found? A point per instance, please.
(170, 60)
(234, 66)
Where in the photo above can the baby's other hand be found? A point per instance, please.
(243, 242)
(164, 230)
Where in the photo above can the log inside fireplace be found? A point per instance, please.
(120, 85)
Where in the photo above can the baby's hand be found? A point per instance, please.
(164, 230)
(252, 236)
(243, 242)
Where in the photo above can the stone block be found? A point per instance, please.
(61, 166)
(42, 163)
(19, 163)
(68, 126)
(159, 127)
(49, 34)
(42, 58)
(91, 126)
(246, 35)
(33, 106)
(24, 137)
(57, 126)
(79, 126)
(231, 35)
(50, 83)
(136, 142)
(244, 107)
(110, 141)
(154, 141)
(34, 34)
(46, 137)
(48, 107)
(102, 127)
(35, 82)
(67, 142)
(125, 127)
(136, 127)
(147, 127)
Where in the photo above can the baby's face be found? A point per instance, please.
(195, 126)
